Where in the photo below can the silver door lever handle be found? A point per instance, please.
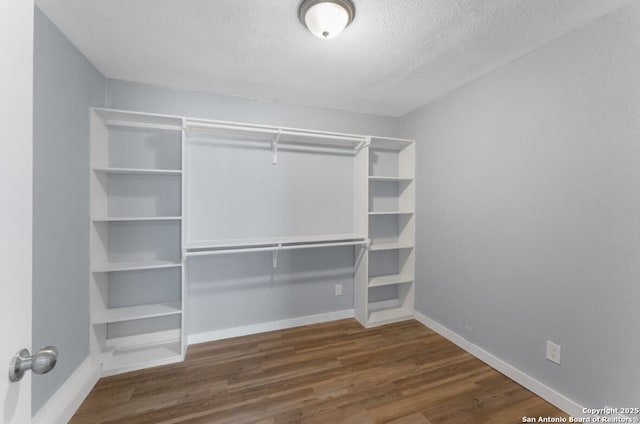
(40, 363)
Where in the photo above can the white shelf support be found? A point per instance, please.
(364, 143)
(274, 148)
(274, 254)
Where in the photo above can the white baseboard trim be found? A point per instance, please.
(67, 399)
(550, 395)
(246, 330)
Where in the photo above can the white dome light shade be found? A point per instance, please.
(326, 19)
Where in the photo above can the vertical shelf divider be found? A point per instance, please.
(183, 236)
(361, 220)
(136, 273)
(389, 289)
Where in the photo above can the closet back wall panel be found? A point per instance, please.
(142, 241)
(236, 192)
(142, 195)
(143, 287)
(218, 300)
(144, 148)
(235, 290)
(382, 162)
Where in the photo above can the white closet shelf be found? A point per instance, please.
(137, 171)
(384, 316)
(282, 134)
(386, 143)
(136, 218)
(122, 360)
(137, 265)
(390, 246)
(389, 280)
(143, 340)
(372, 213)
(389, 179)
(120, 118)
(129, 313)
(239, 243)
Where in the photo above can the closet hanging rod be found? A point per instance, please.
(309, 146)
(225, 251)
(336, 244)
(274, 248)
(351, 139)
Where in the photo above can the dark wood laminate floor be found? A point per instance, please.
(335, 372)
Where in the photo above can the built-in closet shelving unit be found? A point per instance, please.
(136, 281)
(169, 192)
(385, 278)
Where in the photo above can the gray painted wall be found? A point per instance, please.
(152, 98)
(230, 291)
(65, 85)
(528, 189)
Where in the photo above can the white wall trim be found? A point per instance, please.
(268, 326)
(67, 399)
(550, 395)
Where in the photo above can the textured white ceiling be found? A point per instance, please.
(397, 55)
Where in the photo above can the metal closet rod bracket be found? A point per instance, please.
(363, 144)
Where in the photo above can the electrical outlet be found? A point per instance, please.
(338, 289)
(553, 352)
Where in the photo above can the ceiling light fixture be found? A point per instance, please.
(326, 18)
